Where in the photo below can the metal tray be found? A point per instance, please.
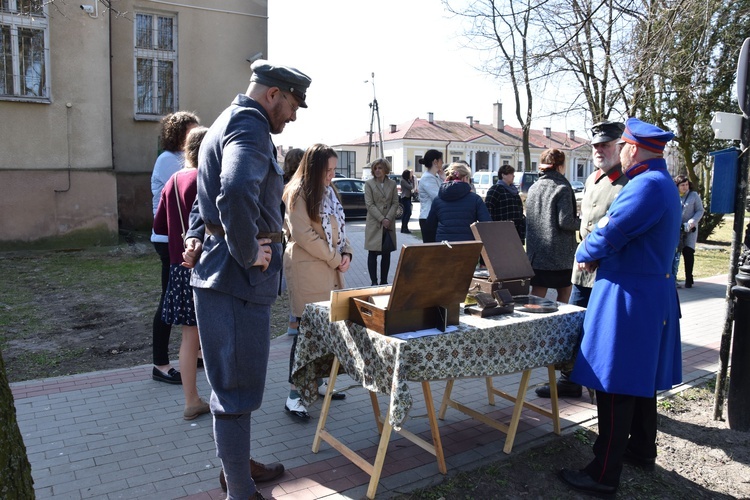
(534, 304)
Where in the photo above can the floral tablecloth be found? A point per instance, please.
(480, 347)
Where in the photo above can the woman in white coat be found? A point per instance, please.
(429, 187)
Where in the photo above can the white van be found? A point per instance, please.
(483, 181)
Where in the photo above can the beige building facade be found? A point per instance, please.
(484, 146)
(82, 90)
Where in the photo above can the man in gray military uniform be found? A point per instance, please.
(236, 280)
(602, 186)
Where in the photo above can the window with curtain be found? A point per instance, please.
(24, 50)
(155, 64)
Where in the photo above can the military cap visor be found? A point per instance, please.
(606, 132)
(285, 78)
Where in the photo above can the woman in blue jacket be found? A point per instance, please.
(456, 208)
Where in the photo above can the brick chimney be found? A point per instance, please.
(572, 135)
(470, 120)
(497, 116)
(393, 129)
(430, 117)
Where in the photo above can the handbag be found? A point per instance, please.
(179, 210)
(388, 244)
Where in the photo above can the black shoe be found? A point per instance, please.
(171, 377)
(406, 232)
(565, 389)
(646, 464)
(581, 481)
(336, 396)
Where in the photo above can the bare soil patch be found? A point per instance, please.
(698, 457)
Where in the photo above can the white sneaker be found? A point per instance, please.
(296, 408)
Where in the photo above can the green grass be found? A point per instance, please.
(712, 258)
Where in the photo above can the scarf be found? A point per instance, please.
(331, 207)
(512, 189)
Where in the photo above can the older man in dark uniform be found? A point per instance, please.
(631, 333)
(602, 186)
(236, 280)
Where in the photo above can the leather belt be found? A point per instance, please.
(217, 230)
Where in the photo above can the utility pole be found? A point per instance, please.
(374, 110)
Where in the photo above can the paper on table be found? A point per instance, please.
(424, 333)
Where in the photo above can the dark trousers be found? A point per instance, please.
(406, 203)
(688, 255)
(428, 232)
(625, 422)
(161, 330)
(372, 266)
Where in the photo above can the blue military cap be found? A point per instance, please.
(645, 135)
(289, 79)
(606, 131)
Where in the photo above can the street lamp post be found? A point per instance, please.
(374, 110)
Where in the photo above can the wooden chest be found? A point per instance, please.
(507, 264)
(430, 283)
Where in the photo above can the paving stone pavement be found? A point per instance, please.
(118, 434)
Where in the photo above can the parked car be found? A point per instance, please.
(577, 186)
(483, 181)
(524, 180)
(397, 179)
(352, 194)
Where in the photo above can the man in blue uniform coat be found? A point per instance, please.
(236, 280)
(631, 332)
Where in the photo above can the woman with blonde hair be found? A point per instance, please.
(551, 226)
(456, 207)
(381, 200)
(317, 252)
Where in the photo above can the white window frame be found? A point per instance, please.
(155, 55)
(14, 20)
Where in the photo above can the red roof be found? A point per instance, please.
(439, 130)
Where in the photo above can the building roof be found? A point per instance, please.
(441, 130)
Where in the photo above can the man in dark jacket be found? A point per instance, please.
(236, 280)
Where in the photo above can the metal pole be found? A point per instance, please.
(737, 246)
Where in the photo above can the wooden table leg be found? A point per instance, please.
(326, 404)
(490, 391)
(446, 399)
(376, 411)
(553, 399)
(377, 469)
(520, 398)
(437, 443)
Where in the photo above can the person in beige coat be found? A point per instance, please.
(381, 199)
(317, 252)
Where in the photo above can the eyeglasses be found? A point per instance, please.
(294, 107)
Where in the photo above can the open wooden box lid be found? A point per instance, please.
(433, 274)
(428, 275)
(503, 251)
